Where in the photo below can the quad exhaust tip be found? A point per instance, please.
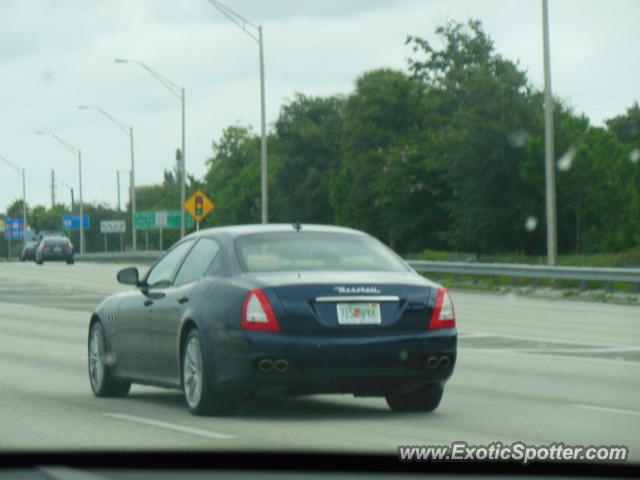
(444, 362)
(433, 362)
(281, 365)
(267, 365)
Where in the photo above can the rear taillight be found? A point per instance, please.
(443, 313)
(45, 249)
(68, 248)
(257, 313)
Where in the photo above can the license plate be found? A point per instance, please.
(359, 314)
(56, 249)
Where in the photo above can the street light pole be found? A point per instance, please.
(78, 153)
(24, 194)
(179, 93)
(550, 173)
(128, 130)
(118, 172)
(243, 23)
(183, 172)
(118, 183)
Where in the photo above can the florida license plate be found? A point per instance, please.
(359, 314)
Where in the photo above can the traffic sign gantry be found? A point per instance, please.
(199, 205)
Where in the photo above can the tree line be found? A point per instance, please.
(448, 155)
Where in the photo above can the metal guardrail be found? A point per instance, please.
(476, 270)
(144, 256)
(534, 272)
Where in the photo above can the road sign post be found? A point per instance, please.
(112, 226)
(199, 206)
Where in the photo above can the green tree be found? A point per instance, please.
(626, 127)
(384, 183)
(233, 178)
(480, 111)
(306, 153)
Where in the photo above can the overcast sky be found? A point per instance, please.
(58, 54)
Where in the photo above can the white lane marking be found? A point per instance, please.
(475, 335)
(581, 350)
(66, 473)
(548, 340)
(504, 351)
(169, 426)
(607, 409)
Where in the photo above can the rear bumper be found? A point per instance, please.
(52, 257)
(363, 366)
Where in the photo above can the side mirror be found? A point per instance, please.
(128, 276)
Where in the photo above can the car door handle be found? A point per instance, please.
(183, 300)
(148, 302)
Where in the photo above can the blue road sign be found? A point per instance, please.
(72, 222)
(13, 229)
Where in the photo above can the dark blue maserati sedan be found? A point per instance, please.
(233, 312)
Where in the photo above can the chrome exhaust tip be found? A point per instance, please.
(281, 365)
(265, 365)
(432, 362)
(444, 362)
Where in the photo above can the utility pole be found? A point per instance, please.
(550, 172)
(53, 189)
(118, 177)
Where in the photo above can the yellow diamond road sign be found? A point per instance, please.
(199, 205)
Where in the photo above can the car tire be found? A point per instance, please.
(103, 383)
(39, 262)
(426, 399)
(200, 397)
(69, 262)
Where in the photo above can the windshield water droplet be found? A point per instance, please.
(531, 223)
(518, 138)
(565, 161)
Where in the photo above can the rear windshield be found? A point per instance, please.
(293, 251)
(62, 242)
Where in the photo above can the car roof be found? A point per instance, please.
(239, 230)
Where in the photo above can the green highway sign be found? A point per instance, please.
(165, 219)
(145, 220)
(173, 219)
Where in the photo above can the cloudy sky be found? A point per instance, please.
(58, 54)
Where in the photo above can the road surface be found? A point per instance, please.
(530, 370)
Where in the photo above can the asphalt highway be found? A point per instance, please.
(531, 370)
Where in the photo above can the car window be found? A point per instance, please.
(162, 272)
(315, 251)
(197, 261)
(59, 242)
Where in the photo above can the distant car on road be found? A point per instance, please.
(278, 310)
(54, 249)
(28, 251)
(49, 233)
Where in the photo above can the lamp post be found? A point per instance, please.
(550, 173)
(178, 92)
(128, 130)
(76, 152)
(24, 194)
(118, 172)
(243, 23)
